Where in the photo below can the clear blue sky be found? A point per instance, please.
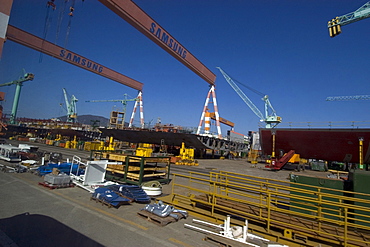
(280, 48)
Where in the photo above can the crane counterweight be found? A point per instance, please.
(335, 24)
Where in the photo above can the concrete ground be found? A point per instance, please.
(32, 215)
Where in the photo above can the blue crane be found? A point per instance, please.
(123, 101)
(270, 118)
(343, 98)
(335, 24)
(19, 84)
(71, 107)
(116, 114)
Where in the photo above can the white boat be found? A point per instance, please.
(10, 153)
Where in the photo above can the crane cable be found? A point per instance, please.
(48, 19)
(71, 9)
(60, 19)
(252, 89)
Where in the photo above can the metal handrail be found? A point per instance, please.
(267, 196)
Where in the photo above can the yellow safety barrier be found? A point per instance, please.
(285, 212)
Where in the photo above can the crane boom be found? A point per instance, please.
(71, 107)
(32, 41)
(343, 98)
(241, 94)
(19, 84)
(123, 101)
(222, 120)
(334, 25)
(134, 15)
(271, 120)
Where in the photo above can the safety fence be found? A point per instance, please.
(287, 212)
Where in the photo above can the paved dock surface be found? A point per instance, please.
(33, 215)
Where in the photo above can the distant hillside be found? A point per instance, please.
(89, 119)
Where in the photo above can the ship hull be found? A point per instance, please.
(340, 145)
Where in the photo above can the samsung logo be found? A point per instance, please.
(81, 61)
(164, 37)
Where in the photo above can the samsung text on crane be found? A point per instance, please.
(170, 42)
(81, 61)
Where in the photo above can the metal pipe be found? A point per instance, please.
(361, 142)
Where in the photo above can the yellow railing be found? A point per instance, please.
(302, 213)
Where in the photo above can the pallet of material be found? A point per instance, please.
(118, 157)
(116, 167)
(161, 221)
(137, 176)
(101, 201)
(137, 168)
(55, 186)
(115, 171)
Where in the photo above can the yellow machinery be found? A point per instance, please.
(252, 156)
(144, 150)
(72, 144)
(186, 156)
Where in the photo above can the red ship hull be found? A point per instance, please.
(340, 145)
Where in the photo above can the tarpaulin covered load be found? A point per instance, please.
(108, 196)
(57, 179)
(132, 192)
(63, 168)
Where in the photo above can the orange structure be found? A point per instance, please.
(134, 15)
(206, 116)
(36, 43)
(128, 11)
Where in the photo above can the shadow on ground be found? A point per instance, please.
(40, 230)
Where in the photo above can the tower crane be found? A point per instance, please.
(343, 98)
(335, 24)
(114, 115)
(123, 101)
(19, 84)
(271, 119)
(71, 107)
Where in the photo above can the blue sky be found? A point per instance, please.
(280, 48)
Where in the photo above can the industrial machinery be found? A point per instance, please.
(335, 24)
(19, 84)
(71, 107)
(186, 156)
(290, 161)
(270, 118)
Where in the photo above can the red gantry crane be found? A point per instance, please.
(128, 11)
